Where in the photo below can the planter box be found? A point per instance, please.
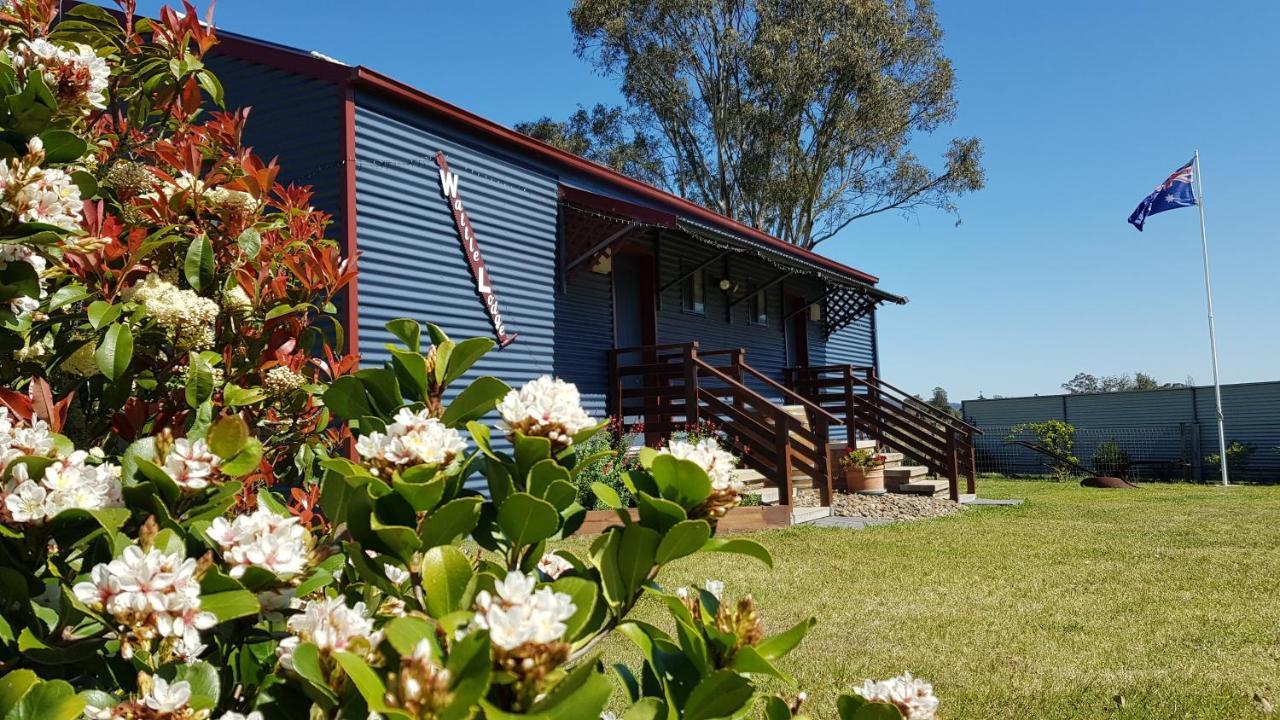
(869, 481)
(739, 519)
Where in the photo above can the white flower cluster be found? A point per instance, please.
(708, 455)
(912, 696)
(187, 316)
(153, 594)
(21, 253)
(331, 626)
(68, 483)
(167, 698)
(415, 438)
(516, 615)
(546, 407)
(18, 438)
(553, 566)
(75, 75)
(37, 194)
(262, 539)
(280, 380)
(191, 464)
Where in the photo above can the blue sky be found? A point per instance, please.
(1082, 107)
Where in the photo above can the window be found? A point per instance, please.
(695, 292)
(759, 309)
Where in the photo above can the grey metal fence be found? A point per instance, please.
(1166, 433)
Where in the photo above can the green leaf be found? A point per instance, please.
(582, 693)
(636, 553)
(607, 495)
(421, 486)
(306, 662)
(408, 331)
(197, 266)
(211, 85)
(722, 694)
(464, 355)
(199, 386)
(681, 481)
(203, 678)
(772, 648)
(245, 461)
(383, 389)
(854, 707)
(64, 296)
(775, 708)
(101, 312)
(230, 604)
(404, 633)
(651, 708)
(475, 401)
(659, 514)
(368, 683)
(250, 243)
(51, 700)
(740, 546)
(236, 396)
(115, 352)
(61, 147)
(447, 572)
(584, 594)
(346, 398)
(748, 661)
(450, 522)
(468, 662)
(13, 686)
(411, 371)
(525, 519)
(228, 436)
(684, 538)
(19, 279)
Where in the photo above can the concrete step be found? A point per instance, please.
(809, 514)
(905, 472)
(865, 444)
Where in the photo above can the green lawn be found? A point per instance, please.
(1158, 603)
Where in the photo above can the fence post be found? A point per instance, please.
(1197, 458)
(691, 383)
(782, 455)
(953, 457)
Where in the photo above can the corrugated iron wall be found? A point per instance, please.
(411, 264)
(1174, 422)
(294, 118)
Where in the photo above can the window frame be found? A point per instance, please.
(758, 308)
(695, 281)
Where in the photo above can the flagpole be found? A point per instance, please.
(1213, 341)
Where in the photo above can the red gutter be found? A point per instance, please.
(294, 60)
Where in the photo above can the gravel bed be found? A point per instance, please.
(894, 506)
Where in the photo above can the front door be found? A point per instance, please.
(796, 329)
(634, 304)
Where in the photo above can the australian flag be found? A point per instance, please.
(1174, 192)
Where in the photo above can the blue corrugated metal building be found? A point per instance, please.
(580, 258)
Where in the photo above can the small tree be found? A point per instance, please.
(1057, 436)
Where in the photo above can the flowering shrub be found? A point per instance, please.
(864, 458)
(167, 371)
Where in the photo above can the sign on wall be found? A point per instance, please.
(471, 250)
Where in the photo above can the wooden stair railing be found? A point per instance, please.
(669, 388)
(870, 406)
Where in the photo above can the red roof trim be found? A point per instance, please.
(297, 61)
(613, 206)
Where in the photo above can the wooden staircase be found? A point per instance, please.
(876, 410)
(778, 434)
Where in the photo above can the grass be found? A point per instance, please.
(1160, 603)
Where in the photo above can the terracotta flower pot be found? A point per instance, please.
(865, 481)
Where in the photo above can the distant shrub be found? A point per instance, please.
(1110, 459)
(1055, 435)
(1238, 455)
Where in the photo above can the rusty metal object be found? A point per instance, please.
(1107, 482)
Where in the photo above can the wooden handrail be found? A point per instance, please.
(944, 417)
(796, 398)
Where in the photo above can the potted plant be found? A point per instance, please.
(863, 471)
